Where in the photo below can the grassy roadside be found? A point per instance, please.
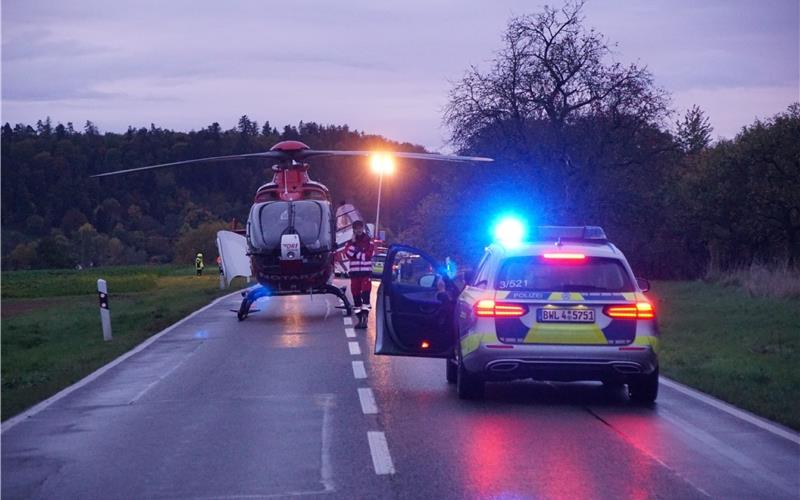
(739, 348)
(51, 333)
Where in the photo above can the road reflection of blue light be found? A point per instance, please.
(201, 334)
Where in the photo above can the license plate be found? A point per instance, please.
(565, 315)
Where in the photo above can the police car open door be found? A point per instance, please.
(415, 313)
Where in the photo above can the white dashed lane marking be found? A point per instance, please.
(381, 459)
(367, 399)
(358, 369)
(378, 447)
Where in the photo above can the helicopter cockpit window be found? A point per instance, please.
(312, 223)
(268, 221)
(310, 220)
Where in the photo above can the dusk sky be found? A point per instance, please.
(379, 67)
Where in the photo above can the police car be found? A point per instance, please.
(377, 265)
(564, 306)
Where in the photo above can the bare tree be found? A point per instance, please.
(551, 68)
(554, 97)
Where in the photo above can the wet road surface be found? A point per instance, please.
(291, 403)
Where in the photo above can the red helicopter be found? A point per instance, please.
(291, 230)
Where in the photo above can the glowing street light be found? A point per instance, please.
(381, 163)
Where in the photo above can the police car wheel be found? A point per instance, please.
(644, 389)
(468, 386)
(452, 370)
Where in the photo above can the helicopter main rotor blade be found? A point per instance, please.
(277, 155)
(309, 153)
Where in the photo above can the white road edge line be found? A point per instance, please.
(348, 321)
(732, 410)
(355, 350)
(379, 449)
(368, 405)
(12, 422)
(350, 332)
(358, 370)
(726, 450)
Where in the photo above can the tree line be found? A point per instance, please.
(55, 216)
(581, 139)
(577, 137)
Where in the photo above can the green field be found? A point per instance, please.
(51, 332)
(738, 348)
(720, 340)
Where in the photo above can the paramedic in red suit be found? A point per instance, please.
(359, 252)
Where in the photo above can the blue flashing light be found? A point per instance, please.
(509, 231)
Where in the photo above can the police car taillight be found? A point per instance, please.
(640, 310)
(488, 308)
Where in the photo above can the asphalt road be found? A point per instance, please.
(291, 403)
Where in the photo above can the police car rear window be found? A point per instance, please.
(594, 274)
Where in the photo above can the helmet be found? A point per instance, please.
(199, 254)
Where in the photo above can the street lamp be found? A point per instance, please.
(381, 163)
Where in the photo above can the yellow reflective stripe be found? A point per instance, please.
(501, 295)
(544, 333)
(472, 342)
(647, 340)
(566, 296)
(630, 295)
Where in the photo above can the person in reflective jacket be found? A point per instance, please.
(198, 264)
(359, 252)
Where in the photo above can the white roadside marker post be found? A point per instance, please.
(105, 314)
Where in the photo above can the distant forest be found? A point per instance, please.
(55, 216)
(577, 139)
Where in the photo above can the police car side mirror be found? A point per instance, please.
(644, 285)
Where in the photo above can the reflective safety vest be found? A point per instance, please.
(359, 253)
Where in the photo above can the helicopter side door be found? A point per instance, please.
(415, 306)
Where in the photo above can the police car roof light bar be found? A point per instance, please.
(585, 234)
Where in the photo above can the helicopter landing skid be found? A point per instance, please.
(257, 292)
(339, 292)
(249, 299)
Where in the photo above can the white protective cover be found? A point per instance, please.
(233, 252)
